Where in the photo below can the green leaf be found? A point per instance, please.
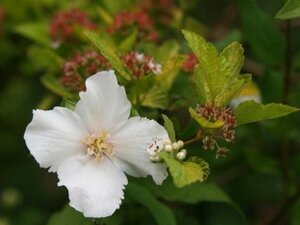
(166, 51)
(105, 16)
(169, 72)
(217, 75)
(156, 97)
(69, 216)
(264, 36)
(68, 103)
(204, 122)
(53, 85)
(192, 194)
(188, 172)
(161, 214)
(36, 31)
(108, 51)
(290, 10)
(251, 111)
(206, 72)
(168, 124)
(127, 44)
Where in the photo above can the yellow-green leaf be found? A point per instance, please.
(251, 111)
(204, 122)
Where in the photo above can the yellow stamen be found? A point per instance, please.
(98, 145)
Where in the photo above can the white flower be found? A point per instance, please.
(92, 147)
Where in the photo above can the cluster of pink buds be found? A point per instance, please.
(190, 62)
(140, 64)
(63, 25)
(81, 66)
(126, 21)
(225, 132)
(160, 10)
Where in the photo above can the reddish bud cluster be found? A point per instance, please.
(160, 10)
(190, 62)
(81, 66)
(126, 21)
(141, 64)
(226, 132)
(63, 24)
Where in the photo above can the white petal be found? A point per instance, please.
(55, 135)
(132, 144)
(104, 104)
(95, 188)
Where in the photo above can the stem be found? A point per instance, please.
(195, 139)
(286, 88)
(288, 62)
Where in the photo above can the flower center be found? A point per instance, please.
(99, 144)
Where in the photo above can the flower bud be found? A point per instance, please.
(181, 155)
(180, 143)
(175, 146)
(168, 148)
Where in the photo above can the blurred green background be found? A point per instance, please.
(258, 181)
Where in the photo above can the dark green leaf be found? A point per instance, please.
(161, 214)
(168, 124)
(262, 33)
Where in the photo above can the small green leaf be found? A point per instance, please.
(69, 216)
(161, 214)
(204, 122)
(127, 44)
(156, 97)
(36, 31)
(53, 85)
(105, 16)
(108, 51)
(68, 103)
(206, 73)
(169, 72)
(168, 124)
(251, 111)
(290, 10)
(188, 172)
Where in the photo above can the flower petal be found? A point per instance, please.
(55, 135)
(95, 188)
(104, 105)
(132, 145)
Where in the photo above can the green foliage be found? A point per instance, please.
(188, 172)
(109, 52)
(251, 111)
(265, 38)
(291, 9)
(53, 84)
(36, 31)
(161, 214)
(217, 75)
(69, 216)
(168, 124)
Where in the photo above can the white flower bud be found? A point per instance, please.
(175, 146)
(180, 143)
(181, 155)
(168, 148)
(167, 142)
